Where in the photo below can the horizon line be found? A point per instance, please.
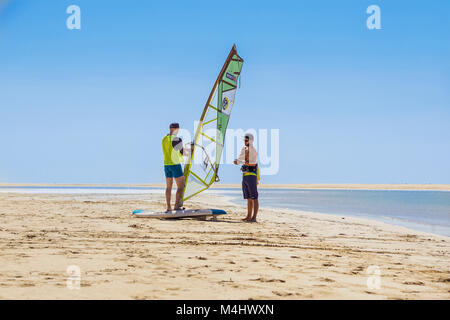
(337, 186)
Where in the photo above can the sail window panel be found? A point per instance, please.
(202, 162)
(209, 179)
(194, 186)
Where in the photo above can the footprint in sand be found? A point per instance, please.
(282, 294)
(357, 270)
(26, 284)
(268, 280)
(370, 292)
(415, 283)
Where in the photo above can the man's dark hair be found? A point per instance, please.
(174, 125)
(249, 136)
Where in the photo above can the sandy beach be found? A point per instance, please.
(286, 255)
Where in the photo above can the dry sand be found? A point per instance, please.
(287, 255)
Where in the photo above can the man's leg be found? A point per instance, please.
(255, 209)
(253, 186)
(180, 187)
(169, 183)
(249, 201)
(249, 209)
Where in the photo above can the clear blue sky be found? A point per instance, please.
(353, 105)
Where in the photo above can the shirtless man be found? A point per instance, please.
(250, 177)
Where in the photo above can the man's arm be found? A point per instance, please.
(248, 156)
(177, 144)
(241, 157)
(251, 156)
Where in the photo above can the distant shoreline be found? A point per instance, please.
(325, 186)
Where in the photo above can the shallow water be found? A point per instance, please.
(427, 211)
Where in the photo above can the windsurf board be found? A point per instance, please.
(174, 214)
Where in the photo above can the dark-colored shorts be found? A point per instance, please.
(173, 171)
(249, 187)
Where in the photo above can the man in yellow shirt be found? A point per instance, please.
(172, 147)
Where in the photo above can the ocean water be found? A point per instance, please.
(427, 211)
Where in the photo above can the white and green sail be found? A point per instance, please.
(201, 170)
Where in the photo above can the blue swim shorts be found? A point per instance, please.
(173, 171)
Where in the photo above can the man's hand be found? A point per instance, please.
(187, 150)
(236, 161)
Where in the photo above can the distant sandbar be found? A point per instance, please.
(349, 186)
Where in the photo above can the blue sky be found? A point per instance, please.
(353, 105)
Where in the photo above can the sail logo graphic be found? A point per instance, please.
(225, 103)
(231, 77)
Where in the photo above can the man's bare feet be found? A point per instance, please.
(252, 220)
(168, 209)
(246, 219)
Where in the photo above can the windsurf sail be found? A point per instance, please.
(201, 170)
